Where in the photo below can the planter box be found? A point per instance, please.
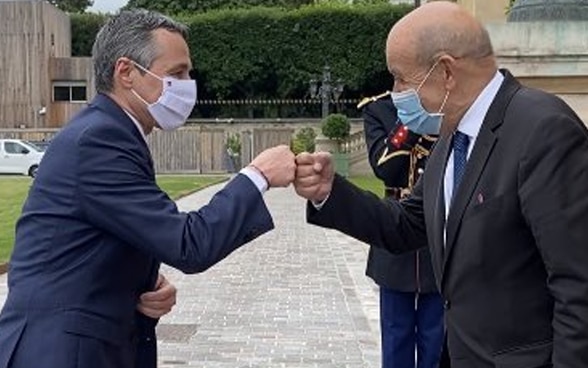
(340, 159)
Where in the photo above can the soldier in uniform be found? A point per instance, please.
(411, 308)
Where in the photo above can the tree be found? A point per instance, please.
(194, 6)
(72, 6)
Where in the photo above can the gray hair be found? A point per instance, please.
(128, 34)
(433, 41)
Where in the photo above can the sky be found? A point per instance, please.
(107, 6)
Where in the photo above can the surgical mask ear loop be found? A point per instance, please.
(428, 75)
(444, 101)
(147, 71)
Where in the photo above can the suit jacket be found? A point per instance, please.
(412, 271)
(93, 231)
(513, 269)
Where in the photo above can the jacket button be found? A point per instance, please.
(446, 305)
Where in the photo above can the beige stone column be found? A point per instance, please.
(486, 10)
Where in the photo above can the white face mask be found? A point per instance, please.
(176, 102)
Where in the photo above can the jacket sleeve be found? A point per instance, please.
(397, 226)
(553, 186)
(117, 194)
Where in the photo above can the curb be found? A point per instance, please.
(3, 268)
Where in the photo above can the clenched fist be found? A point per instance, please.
(277, 165)
(314, 175)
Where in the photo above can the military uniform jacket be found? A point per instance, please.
(397, 157)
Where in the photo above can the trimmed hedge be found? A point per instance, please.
(84, 28)
(273, 53)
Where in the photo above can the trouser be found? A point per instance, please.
(410, 323)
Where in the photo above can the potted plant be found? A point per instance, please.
(304, 141)
(234, 152)
(336, 128)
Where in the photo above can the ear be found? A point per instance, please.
(123, 69)
(448, 65)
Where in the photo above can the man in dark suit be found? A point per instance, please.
(411, 308)
(96, 226)
(502, 204)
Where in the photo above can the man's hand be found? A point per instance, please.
(277, 165)
(314, 175)
(160, 301)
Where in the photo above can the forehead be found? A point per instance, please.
(400, 55)
(172, 51)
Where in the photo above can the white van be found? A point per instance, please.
(19, 157)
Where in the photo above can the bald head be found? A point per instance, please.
(436, 28)
(445, 54)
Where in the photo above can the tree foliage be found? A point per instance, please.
(304, 141)
(72, 6)
(269, 53)
(84, 28)
(336, 127)
(272, 53)
(175, 7)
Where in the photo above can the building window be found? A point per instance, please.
(69, 92)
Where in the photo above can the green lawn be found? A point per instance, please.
(369, 182)
(13, 191)
(177, 186)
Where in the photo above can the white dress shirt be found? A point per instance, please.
(470, 124)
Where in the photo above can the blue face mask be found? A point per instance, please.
(412, 113)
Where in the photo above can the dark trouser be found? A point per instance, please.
(411, 321)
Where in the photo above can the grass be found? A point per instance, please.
(370, 183)
(177, 186)
(14, 189)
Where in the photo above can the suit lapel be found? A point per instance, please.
(474, 168)
(443, 148)
(481, 152)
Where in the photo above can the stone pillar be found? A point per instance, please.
(486, 10)
(544, 45)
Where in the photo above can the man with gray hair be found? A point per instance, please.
(84, 288)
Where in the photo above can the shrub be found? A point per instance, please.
(336, 127)
(234, 144)
(272, 53)
(304, 141)
(84, 28)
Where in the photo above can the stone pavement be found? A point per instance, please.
(296, 297)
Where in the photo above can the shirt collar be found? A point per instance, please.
(471, 123)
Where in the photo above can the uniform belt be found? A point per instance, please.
(395, 193)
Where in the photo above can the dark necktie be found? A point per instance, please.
(461, 142)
